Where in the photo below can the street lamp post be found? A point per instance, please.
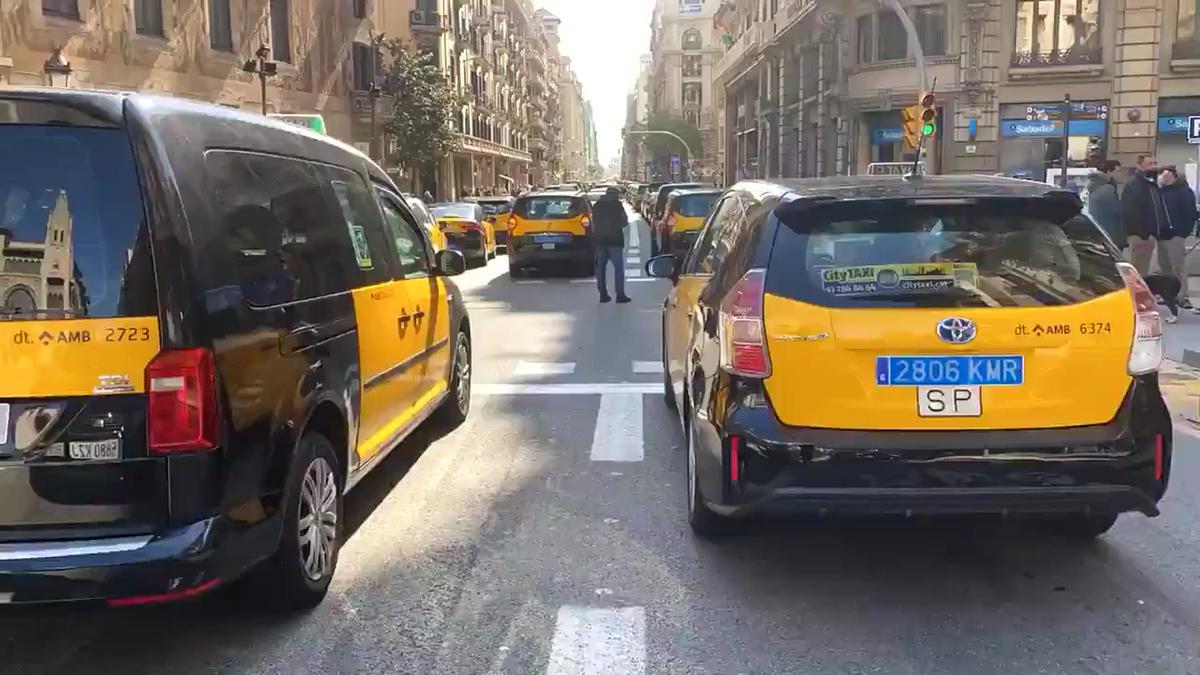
(264, 68)
(57, 65)
(687, 152)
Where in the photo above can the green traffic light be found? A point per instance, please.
(927, 129)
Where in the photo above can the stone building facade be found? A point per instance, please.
(815, 87)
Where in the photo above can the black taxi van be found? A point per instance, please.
(943, 344)
(212, 326)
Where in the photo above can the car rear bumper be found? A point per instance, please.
(469, 243)
(172, 564)
(524, 250)
(1111, 468)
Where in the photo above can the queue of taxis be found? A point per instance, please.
(548, 229)
(467, 230)
(940, 344)
(236, 319)
(495, 211)
(683, 217)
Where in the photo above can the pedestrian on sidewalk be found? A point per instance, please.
(1143, 213)
(608, 239)
(1179, 202)
(1104, 203)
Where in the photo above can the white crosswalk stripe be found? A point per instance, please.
(598, 641)
(536, 368)
(618, 436)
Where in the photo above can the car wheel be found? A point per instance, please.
(1082, 527)
(453, 411)
(515, 272)
(297, 576)
(668, 388)
(704, 521)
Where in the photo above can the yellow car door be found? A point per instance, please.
(425, 326)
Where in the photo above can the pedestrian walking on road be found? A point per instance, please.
(1179, 202)
(1104, 203)
(608, 239)
(1143, 213)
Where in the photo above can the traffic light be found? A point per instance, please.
(928, 114)
(912, 126)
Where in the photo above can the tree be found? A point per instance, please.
(663, 147)
(424, 105)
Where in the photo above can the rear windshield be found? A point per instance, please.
(1010, 253)
(73, 238)
(695, 206)
(663, 195)
(494, 208)
(549, 208)
(464, 211)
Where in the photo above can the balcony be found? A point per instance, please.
(485, 147)
(422, 21)
(1074, 56)
(740, 54)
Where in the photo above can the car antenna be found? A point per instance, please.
(916, 167)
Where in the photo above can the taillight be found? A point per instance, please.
(741, 332)
(512, 223)
(181, 411)
(1146, 354)
(586, 222)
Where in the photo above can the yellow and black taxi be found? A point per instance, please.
(467, 230)
(496, 210)
(683, 217)
(213, 325)
(550, 229)
(657, 216)
(913, 346)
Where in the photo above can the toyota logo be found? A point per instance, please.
(956, 330)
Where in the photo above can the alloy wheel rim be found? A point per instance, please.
(317, 526)
(463, 357)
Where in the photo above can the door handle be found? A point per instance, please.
(419, 314)
(404, 318)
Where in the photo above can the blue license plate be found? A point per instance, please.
(899, 371)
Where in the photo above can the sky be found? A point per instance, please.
(604, 39)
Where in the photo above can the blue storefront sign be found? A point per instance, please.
(1051, 128)
(1173, 124)
(886, 135)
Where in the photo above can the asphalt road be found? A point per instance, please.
(547, 535)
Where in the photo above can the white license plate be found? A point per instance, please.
(3, 423)
(548, 247)
(106, 449)
(949, 402)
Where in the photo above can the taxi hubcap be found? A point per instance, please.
(318, 519)
(463, 360)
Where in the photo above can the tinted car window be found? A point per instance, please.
(463, 211)
(713, 242)
(549, 208)
(997, 253)
(73, 236)
(695, 206)
(411, 256)
(495, 208)
(292, 229)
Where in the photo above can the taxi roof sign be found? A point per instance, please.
(311, 122)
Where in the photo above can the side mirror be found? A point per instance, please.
(449, 263)
(663, 267)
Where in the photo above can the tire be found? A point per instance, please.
(292, 579)
(668, 388)
(1082, 527)
(704, 521)
(515, 272)
(454, 410)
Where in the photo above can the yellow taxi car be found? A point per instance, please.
(940, 344)
(496, 210)
(684, 216)
(550, 228)
(467, 230)
(437, 238)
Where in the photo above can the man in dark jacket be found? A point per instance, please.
(1143, 213)
(1179, 201)
(608, 238)
(1103, 203)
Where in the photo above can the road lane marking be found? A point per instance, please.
(633, 261)
(646, 279)
(598, 641)
(633, 237)
(535, 368)
(565, 388)
(648, 367)
(529, 282)
(618, 436)
(633, 273)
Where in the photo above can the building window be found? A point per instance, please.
(693, 94)
(148, 17)
(1057, 32)
(220, 27)
(360, 9)
(281, 37)
(1187, 37)
(693, 65)
(692, 39)
(67, 9)
(881, 36)
(364, 61)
